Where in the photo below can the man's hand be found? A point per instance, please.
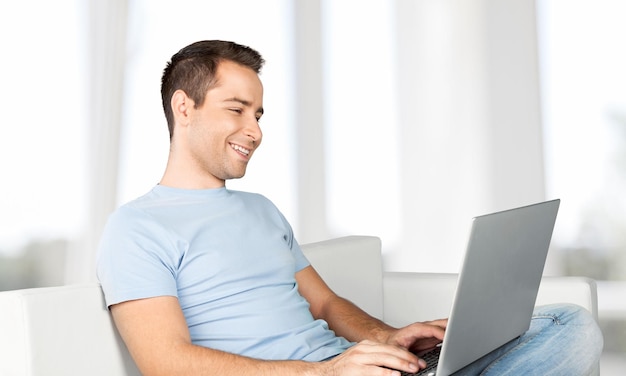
(372, 358)
(419, 336)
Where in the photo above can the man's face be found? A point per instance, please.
(224, 132)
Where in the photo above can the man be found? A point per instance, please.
(204, 280)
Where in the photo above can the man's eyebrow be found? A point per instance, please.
(244, 103)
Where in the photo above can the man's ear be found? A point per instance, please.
(181, 107)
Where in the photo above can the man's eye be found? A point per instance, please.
(237, 110)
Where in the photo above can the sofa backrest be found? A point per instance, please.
(67, 330)
(60, 331)
(352, 267)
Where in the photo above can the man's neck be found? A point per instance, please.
(183, 176)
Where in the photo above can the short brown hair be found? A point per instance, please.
(192, 69)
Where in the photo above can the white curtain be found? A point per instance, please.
(106, 46)
(461, 137)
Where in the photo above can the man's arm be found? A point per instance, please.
(352, 323)
(345, 318)
(156, 334)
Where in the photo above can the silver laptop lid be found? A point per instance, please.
(498, 282)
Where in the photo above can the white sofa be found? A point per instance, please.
(68, 331)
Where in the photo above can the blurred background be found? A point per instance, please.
(401, 119)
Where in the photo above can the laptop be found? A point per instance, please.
(497, 285)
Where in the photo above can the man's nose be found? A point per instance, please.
(253, 130)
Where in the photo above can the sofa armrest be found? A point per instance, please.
(578, 290)
(57, 331)
(411, 297)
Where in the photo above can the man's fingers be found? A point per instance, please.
(368, 353)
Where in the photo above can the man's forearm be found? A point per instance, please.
(188, 359)
(352, 323)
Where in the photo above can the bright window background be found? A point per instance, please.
(584, 99)
(43, 187)
(584, 81)
(361, 122)
(42, 124)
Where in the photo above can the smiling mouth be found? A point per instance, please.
(240, 149)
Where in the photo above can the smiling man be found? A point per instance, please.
(203, 280)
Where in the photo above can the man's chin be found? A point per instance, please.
(235, 176)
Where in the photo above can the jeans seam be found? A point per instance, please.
(555, 321)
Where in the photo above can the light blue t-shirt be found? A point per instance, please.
(229, 257)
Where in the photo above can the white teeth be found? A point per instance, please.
(240, 149)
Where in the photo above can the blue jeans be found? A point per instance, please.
(563, 339)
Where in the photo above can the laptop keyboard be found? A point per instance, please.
(432, 359)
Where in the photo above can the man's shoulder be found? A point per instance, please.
(251, 196)
(135, 208)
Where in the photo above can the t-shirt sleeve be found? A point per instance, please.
(299, 257)
(136, 258)
(301, 260)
